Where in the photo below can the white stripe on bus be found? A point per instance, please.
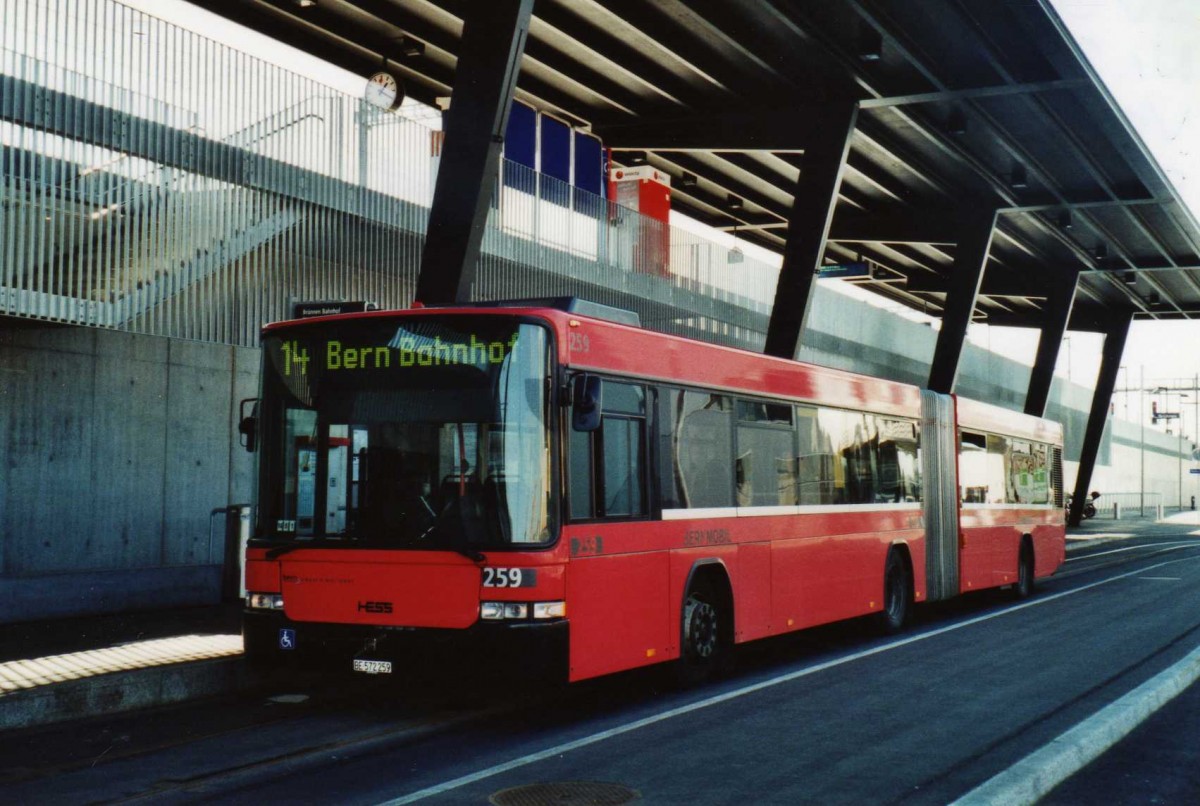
(701, 513)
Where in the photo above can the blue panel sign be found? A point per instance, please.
(589, 164)
(556, 149)
(857, 268)
(520, 136)
(287, 638)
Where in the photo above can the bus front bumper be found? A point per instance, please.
(272, 639)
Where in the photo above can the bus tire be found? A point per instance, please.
(897, 594)
(1023, 587)
(705, 645)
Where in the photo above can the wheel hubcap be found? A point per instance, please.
(702, 628)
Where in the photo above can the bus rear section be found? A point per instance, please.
(405, 491)
(1013, 523)
(994, 512)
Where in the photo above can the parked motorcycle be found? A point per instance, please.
(1089, 506)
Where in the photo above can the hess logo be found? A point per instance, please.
(375, 607)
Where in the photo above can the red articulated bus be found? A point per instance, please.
(548, 477)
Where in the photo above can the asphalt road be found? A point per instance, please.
(834, 715)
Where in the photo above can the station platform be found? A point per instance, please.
(53, 671)
(63, 669)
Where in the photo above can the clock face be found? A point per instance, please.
(383, 91)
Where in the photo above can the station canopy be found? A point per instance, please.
(961, 104)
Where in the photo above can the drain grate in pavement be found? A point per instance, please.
(566, 793)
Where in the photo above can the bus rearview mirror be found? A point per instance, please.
(248, 425)
(587, 397)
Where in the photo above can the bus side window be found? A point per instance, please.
(701, 455)
(972, 468)
(579, 459)
(607, 467)
(623, 452)
(765, 465)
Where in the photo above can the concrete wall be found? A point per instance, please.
(116, 447)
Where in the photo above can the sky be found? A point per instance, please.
(1145, 51)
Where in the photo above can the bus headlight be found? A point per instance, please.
(265, 601)
(520, 611)
(549, 609)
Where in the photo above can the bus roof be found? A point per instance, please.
(595, 338)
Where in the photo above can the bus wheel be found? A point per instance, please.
(897, 594)
(1023, 588)
(703, 643)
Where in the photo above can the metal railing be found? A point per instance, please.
(1119, 505)
(155, 181)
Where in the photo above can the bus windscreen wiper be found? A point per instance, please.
(470, 553)
(279, 551)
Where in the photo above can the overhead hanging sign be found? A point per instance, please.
(857, 268)
(308, 310)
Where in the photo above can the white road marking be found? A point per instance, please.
(1132, 548)
(594, 738)
(1163, 579)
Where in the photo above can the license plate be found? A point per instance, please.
(373, 666)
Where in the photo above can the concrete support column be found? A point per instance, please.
(808, 227)
(493, 42)
(1106, 381)
(1059, 302)
(969, 261)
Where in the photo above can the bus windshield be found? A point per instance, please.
(423, 433)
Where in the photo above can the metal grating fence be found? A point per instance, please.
(156, 181)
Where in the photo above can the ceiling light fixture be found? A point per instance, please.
(1019, 179)
(956, 124)
(870, 43)
(409, 47)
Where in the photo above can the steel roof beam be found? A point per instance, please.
(537, 56)
(1106, 382)
(1079, 205)
(1056, 314)
(717, 199)
(625, 58)
(291, 30)
(970, 259)
(493, 39)
(778, 130)
(996, 283)
(997, 184)
(808, 226)
(977, 92)
(1082, 153)
(899, 226)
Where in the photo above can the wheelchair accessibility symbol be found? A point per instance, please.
(287, 639)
